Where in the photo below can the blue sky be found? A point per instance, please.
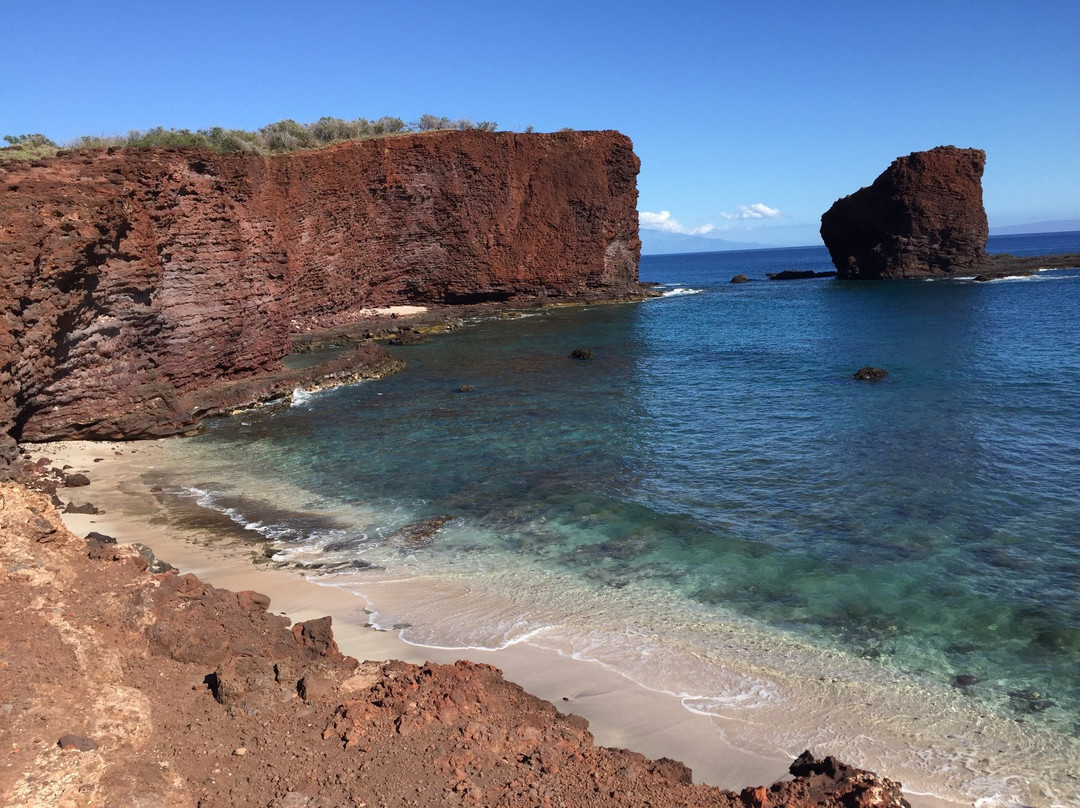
(749, 118)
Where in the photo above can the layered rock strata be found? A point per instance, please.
(126, 686)
(922, 217)
(132, 280)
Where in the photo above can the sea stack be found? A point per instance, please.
(923, 217)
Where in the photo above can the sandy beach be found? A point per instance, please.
(621, 713)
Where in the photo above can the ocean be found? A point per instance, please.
(713, 507)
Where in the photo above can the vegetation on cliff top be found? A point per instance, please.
(275, 138)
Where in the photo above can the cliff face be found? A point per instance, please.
(132, 279)
(922, 217)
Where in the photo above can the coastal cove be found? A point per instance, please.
(710, 515)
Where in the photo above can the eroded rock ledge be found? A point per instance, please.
(124, 687)
(131, 281)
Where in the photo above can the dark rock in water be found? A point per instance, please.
(922, 217)
(93, 535)
(351, 565)
(965, 680)
(86, 507)
(582, 353)
(409, 337)
(870, 373)
(1029, 701)
(420, 532)
(466, 388)
(76, 480)
(797, 275)
(740, 278)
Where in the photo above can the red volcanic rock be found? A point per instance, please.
(132, 280)
(922, 217)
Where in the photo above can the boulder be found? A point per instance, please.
(923, 217)
(316, 637)
(740, 278)
(582, 353)
(85, 507)
(870, 373)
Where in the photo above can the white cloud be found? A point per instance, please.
(664, 221)
(756, 211)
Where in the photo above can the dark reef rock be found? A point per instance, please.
(582, 353)
(419, 533)
(409, 337)
(923, 217)
(740, 278)
(870, 373)
(85, 508)
(798, 275)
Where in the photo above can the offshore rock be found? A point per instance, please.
(870, 373)
(923, 217)
(797, 275)
(133, 280)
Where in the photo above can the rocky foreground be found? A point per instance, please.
(124, 683)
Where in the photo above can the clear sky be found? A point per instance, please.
(749, 118)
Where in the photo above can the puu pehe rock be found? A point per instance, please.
(923, 217)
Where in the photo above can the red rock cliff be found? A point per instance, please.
(130, 279)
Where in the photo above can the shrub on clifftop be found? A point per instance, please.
(27, 147)
(275, 138)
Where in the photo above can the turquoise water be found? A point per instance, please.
(715, 479)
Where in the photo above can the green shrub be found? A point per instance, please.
(29, 141)
(27, 147)
(159, 137)
(275, 138)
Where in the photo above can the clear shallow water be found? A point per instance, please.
(714, 507)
